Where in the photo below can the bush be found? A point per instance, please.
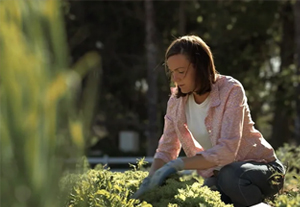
(101, 187)
(290, 195)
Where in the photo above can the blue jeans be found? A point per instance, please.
(247, 183)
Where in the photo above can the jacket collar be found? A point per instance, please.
(214, 101)
(214, 95)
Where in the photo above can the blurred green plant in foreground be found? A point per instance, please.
(40, 125)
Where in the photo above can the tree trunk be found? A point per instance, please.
(151, 60)
(182, 18)
(282, 121)
(297, 95)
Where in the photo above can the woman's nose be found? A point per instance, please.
(175, 77)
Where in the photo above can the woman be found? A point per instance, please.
(208, 116)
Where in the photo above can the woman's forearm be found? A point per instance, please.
(157, 163)
(197, 162)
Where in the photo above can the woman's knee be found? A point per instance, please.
(227, 176)
(233, 183)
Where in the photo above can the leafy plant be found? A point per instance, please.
(39, 124)
(102, 187)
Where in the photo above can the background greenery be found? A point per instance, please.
(253, 41)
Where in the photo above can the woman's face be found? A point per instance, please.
(182, 72)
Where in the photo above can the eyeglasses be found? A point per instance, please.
(178, 72)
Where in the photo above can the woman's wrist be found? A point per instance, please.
(157, 163)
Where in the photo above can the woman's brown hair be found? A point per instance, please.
(199, 54)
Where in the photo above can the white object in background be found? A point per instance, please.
(128, 141)
(261, 205)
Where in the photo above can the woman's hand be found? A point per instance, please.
(144, 187)
(159, 177)
(168, 169)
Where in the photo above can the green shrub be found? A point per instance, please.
(101, 187)
(290, 195)
(290, 157)
(184, 190)
(287, 200)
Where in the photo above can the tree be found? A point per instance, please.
(281, 131)
(151, 60)
(182, 18)
(297, 94)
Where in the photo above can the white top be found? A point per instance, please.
(195, 115)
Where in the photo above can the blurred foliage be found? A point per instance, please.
(290, 157)
(40, 124)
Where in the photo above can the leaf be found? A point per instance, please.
(103, 192)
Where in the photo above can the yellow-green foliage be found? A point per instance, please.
(182, 191)
(290, 156)
(38, 124)
(287, 200)
(102, 187)
(290, 195)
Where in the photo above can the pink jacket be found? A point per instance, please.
(228, 123)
